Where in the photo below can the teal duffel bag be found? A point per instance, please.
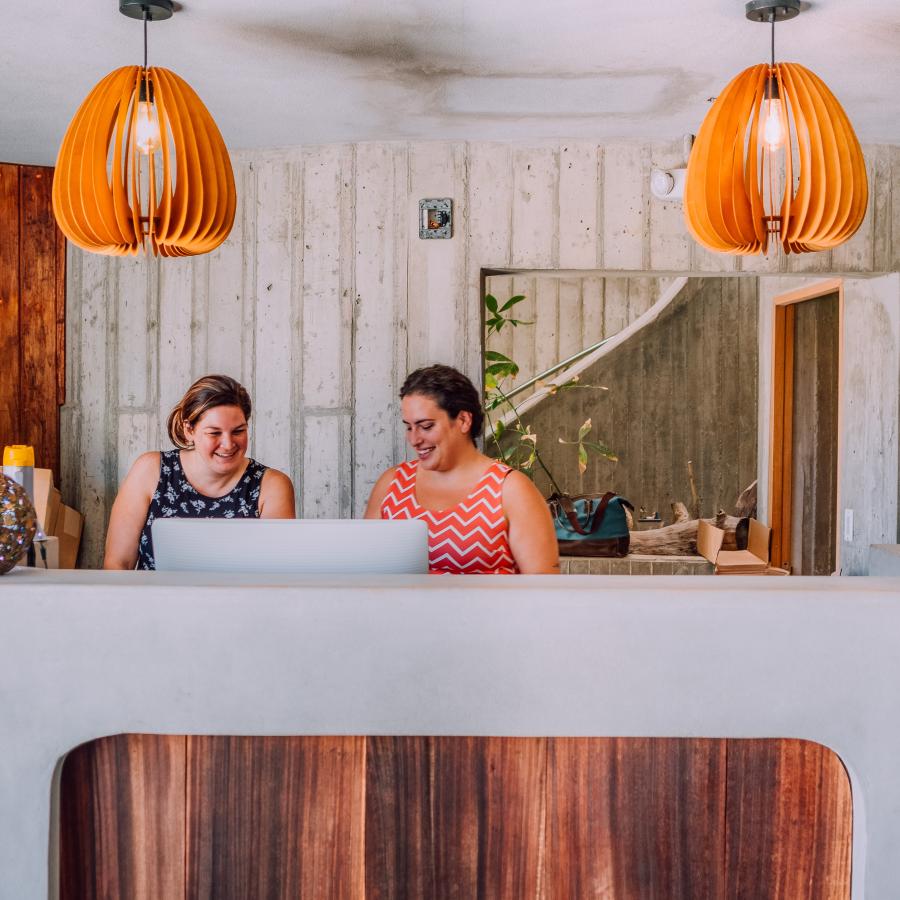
(591, 524)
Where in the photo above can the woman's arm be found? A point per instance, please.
(376, 498)
(129, 512)
(276, 496)
(531, 535)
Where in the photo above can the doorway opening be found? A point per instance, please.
(805, 432)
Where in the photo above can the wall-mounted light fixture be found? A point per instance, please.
(776, 157)
(143, 160)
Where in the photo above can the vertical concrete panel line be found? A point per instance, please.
(510, 156)
(400, 308)
(599, 228)
(464, 311)
(151, 401)
(248, 258)
(348, 183)
(70, 444)
(412, 235)
(111, 423)
(298, 262)
(554, 243)
(646, 162)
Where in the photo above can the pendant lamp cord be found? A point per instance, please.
(147, 19)
(771, 19)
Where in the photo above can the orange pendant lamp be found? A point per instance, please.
(143, 161)
(776, 158)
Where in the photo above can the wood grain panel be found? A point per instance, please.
(275, 817)
(788, 822)
(635, 818)
(122, 821)
(434, 818)
(454, 818)
(10, 358)
(38, 324)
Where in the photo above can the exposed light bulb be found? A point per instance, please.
(773, 130)
(146, 136)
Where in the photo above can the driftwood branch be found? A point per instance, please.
(745, 505)
(680, 538)
(679, 512)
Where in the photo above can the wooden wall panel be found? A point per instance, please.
(788, 826)
(122, 819)
(10, 363)
(32, 314)
(453, 818)
(39, 424)
(635, 818)
(275, 818)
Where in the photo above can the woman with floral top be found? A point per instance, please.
(207, 476)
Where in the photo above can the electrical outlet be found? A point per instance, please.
(848, 525)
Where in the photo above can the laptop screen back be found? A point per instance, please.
(299, 546)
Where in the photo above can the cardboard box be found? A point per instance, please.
(69, 523)
(46, 554)
(752, 561)
(47, 500)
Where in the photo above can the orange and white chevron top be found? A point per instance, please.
(471, 538)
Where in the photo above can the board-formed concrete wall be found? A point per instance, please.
(324, 297)
(681, 388)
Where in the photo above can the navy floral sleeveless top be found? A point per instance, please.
(176, 498)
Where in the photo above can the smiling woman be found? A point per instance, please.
(483, 518)
(207, 476)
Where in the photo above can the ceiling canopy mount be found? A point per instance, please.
(154, 10)
(772, 10)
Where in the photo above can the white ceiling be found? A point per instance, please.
(277, 73)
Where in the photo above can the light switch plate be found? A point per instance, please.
(436, 218)
(848, 525)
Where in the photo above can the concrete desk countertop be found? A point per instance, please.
(87, 654)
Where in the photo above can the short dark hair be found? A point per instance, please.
(450, 389)
(204, 394)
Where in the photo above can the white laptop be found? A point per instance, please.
(301, 546)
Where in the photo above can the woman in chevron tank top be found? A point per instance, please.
(483, 517)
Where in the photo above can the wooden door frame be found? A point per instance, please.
(781, 431)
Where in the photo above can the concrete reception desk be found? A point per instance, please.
(88, 654)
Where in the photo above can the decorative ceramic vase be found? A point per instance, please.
(18, 523)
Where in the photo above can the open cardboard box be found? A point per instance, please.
(47, 500)
(57, 520)
(752, 561)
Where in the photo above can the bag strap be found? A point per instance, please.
(595, 518)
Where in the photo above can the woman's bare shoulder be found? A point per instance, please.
(144, 470)
(379, 492)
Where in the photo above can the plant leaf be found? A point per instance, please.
(602, 449)
(502, 370)
(490, 301)
(582, 459)
(512, 302)
(584, 430)
(499, 428)
(496, 356)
